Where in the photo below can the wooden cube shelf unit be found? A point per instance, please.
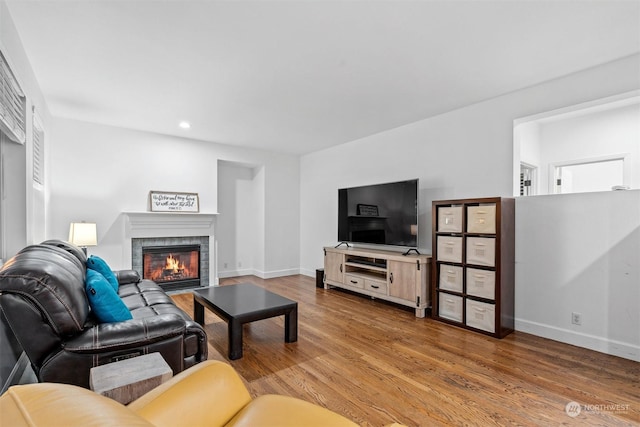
(474, 264)
(386, 275)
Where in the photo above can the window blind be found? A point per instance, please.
(12, 104)
(38, 149)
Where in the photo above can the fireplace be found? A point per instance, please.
(172, 267)
(146, 229)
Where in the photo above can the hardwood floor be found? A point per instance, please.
(376, 363)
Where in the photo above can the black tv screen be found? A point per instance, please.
(385, 214)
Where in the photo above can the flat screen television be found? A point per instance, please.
(384, 214)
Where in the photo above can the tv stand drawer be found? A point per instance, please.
(355, 281)
(376, 286)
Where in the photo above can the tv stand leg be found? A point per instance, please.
(342, 243)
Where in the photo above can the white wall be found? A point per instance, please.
(464, 153)
(580, 253)
(530, 151)
(29, 226)
(98, 172)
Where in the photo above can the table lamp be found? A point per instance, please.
(83, 234)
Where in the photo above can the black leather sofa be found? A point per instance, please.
(42, 294)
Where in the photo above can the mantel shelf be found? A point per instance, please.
(168, 220)
(142, 213)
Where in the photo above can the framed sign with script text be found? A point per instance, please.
(162, 201)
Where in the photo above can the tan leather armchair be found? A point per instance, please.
(208, 394)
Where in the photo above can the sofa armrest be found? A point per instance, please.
(209, 393)
(127, 276)
(128, 334)
(46, 404)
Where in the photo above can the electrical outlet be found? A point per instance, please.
(226, 265)
(239, 264)
(576, 318)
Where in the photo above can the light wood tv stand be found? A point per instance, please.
(386, 275)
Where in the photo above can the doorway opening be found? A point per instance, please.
(528, 179)
(593, 146)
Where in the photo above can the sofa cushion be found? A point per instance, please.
(104, 301)
(139, 287)
(146, 298)
(286, 411)
(98, 264)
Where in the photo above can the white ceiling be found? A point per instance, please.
(300, 76)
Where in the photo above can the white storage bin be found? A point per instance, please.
(450, 219)
(481, 283)
(450, 307)
(450, 277)
(450, 248)
(481, 251)
(481, 219)
(481, 315)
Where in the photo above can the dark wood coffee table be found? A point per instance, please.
(244, 303)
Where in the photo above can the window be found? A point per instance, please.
(587, 176)
(13, 163)
(12, 104)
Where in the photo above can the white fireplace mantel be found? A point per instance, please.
(158, 224)
(170, 224)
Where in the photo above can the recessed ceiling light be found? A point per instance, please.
(184, 125)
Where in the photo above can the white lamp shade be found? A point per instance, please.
(83, 234)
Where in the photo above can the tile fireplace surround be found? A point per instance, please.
(176, 228)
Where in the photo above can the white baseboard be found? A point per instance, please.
(279, 273)
(592, 342)
(307, 272)
(258, 273)
(235, 273)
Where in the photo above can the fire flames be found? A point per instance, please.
(173, 264)
(172, 269)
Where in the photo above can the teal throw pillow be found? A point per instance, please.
(104, 301)
(98, 264)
